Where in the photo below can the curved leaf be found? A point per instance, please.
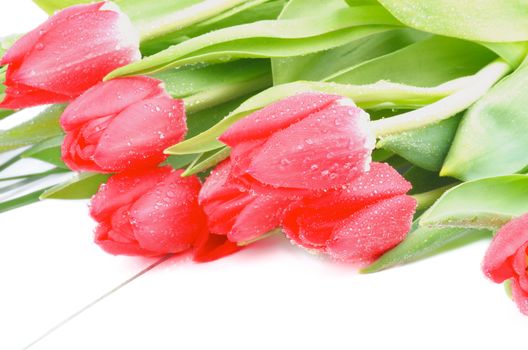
(477, 20)
(491, 139)
(279, 38)
(80, 186)
(486, 203)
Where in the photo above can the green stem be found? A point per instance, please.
(426, 199)
(223, 93)
(261, 237)
(35, 175)
(448, 106)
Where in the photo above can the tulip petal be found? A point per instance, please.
(20, 96)
(109, 98)
(211, 247)
(168, 219)
(123, 189)
(370, 232)
(137, 136)
(26, 43)
(75, 54)
(260, 216)
(103, 239)
(520, 296)
(325, 150)
(497, 264)
(520, 266)
(276, 116)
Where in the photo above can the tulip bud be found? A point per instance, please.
(307, 141)
(357, 222)
(507, 259)
(121, 124)
(148, 212)
(241, 209)
(70, 52)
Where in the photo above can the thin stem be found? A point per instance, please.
(261, 237)
(35, 175)
(223, 93)
(426, 199)
(448, 106)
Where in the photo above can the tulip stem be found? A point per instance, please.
(261, 237)
(426, 199)
(446, 107)
(224, 93)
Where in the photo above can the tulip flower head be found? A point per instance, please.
(507, 259)
(148, 212)
(307, 141)
(357, 222)
(121, 124)
(69, 53)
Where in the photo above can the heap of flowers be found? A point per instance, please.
(294, 152)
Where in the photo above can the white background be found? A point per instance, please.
(271, 296)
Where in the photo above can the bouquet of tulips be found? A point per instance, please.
(373, 132)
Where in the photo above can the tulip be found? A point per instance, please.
(357, 222)
(507, 259)
(241, 209)
(121, 124)
(148, 212)
(308, 141)
(70, 52)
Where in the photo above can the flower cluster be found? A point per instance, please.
(302, 164)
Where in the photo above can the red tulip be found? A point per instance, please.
(121, 124)
(72, 51)
(148, 212)
(308, 141)
(507, 259)
(357, 222)
(242, 209)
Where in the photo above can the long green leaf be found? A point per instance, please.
(486, 203)
(477, 20)
(425, 63)
(491, 139)
(81, 186)
(21, 201)
(42, 127)
(423, 242)
(280, 38)
(425, 147)
(48, 151)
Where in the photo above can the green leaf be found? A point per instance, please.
(486, 203)
(325, 64)
(50, 6)
(513, 53)
(425, 63)
(279, 38)
(81, 186)
(48, 151)
(206, 86)
(425, 147)
(207, 160)
(423, 242)
(477, 20)
(491, 139)
(249, 12)
(21, 201)
(42, 127)
(381, 94)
